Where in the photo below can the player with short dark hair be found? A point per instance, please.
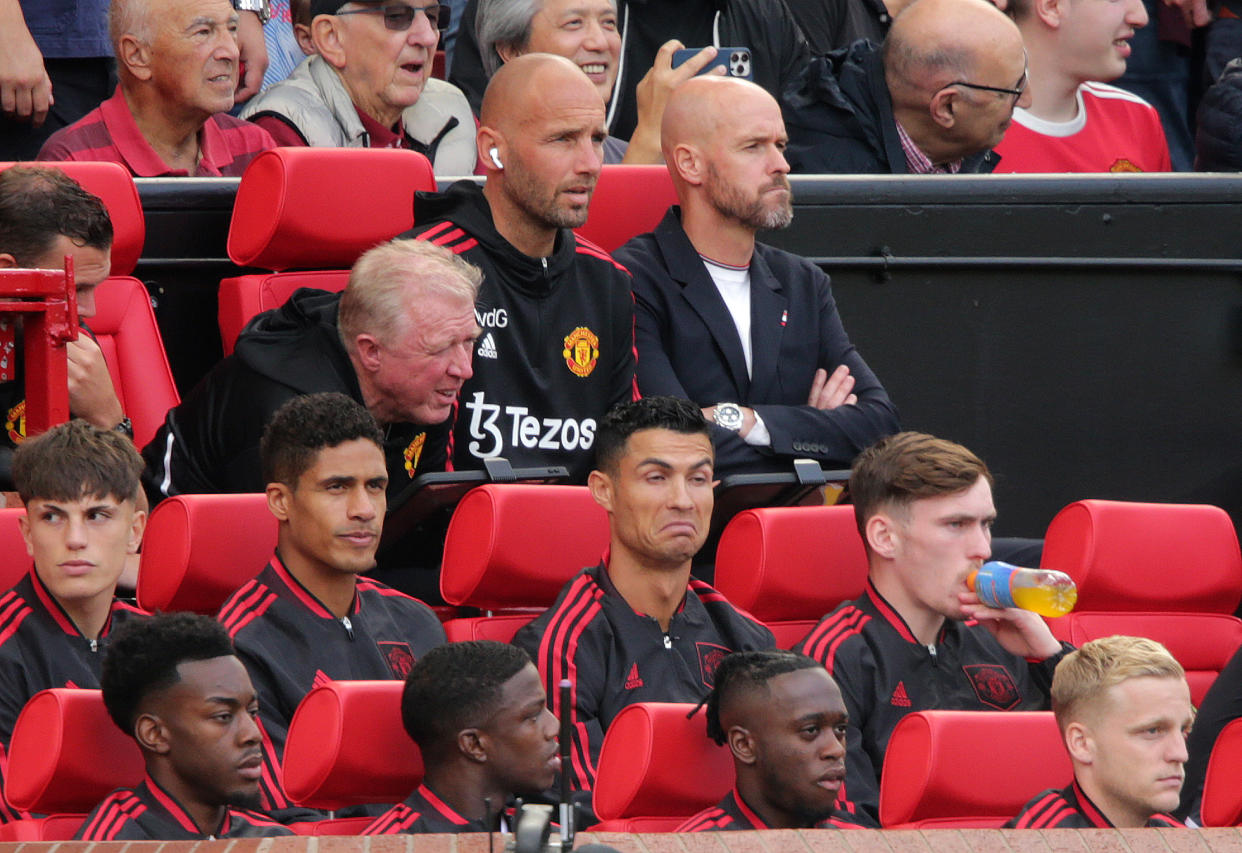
(917, 638)
(173, 683)
(637, 627)
(479, 714)
(310, 615)
(783, 719)
(79, 484)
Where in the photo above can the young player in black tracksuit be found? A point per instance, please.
(1123, 707)
(783, 720)
(636, 628)
(308, 617)
(925, 510)
(479, 714)
(79, 484)
(557, 314)
(173, 684)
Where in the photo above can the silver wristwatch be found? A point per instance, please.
(262, 8)
(728, 416)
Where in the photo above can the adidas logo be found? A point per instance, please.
(633, 680)
(487, 347)
(900, 699)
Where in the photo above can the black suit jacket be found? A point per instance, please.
(688, 346)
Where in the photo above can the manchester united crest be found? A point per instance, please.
(1124, 165)
(413, 452)
(399, 656)
(710, 656)
(993, 685)
(15, 423)
(581, 351)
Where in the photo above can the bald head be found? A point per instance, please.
(535, 80)
(934, 42)
(697, 109)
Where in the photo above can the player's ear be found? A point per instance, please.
(882, 534)
(471, 743)
(600, 485)
(741, 744)
(151, 734)
(1079, 743)
(278, 498)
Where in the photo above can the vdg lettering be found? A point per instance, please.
(490, 426)
(497, 318)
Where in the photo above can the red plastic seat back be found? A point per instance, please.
(241, 298)
(628, 201)
(320, 208)
(129, 338)
(788, 566)
(16, 562)
(347, 746)
(1222, 786)
(198, 549)
(66, 754)
(1170, 572)
(969, 768)
(1147, 557)
(656, 764)
(515, 546)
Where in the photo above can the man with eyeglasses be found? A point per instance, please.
(935, 98)
(1076, 122)
(370, 86)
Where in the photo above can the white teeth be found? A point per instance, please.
(594, 68)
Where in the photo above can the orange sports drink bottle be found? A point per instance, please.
(1041, 591)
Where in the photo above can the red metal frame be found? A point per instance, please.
(48, 303)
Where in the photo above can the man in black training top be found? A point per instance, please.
(479, 715)
(783, 719)
(79, 484)
(637, 628)
(173, 683)
(557, 316)
(1123, 707)
(309, 616)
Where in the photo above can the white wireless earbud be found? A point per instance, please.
(495, 155)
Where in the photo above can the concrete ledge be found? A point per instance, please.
(768, 841)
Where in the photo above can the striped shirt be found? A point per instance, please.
(149, 813)
(1071, 808)
(733, 813)
(109, 133)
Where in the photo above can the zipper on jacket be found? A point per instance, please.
(931, 649)
(668, 641)
(94, 645)
(349, 626)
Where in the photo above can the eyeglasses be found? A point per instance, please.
(1016, 92)
(399, 16)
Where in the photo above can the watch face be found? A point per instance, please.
(728, 415)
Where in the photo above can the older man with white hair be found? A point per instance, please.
(177, 65)
(370, 86)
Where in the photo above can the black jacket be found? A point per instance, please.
(210, 442)
(1218, 140)
(764, 26)
(557, 349)
(688, 347)
(839, 117)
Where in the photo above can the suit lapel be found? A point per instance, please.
(768, 304)
(697, 288)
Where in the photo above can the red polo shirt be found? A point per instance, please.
(109, 133)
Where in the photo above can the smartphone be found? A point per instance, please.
(736, 61)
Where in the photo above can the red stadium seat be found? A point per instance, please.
(313, 209)
(788, 566)
(969, 769)
(1222, 785)
(125, 328)
(125, 323)
(511, 548)
(657, 768)
(1170, 572)
(198, 549)
(65, 756)
(14, 561)
(347, 746)
(628, 201)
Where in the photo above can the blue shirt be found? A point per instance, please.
(65, 29)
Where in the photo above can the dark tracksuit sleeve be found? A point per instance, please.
(836, 435)
(1221, 706)
(274, 724)
(862, 769)
(13, 696)
(584, 668)
(466, 71)
(625, 380)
